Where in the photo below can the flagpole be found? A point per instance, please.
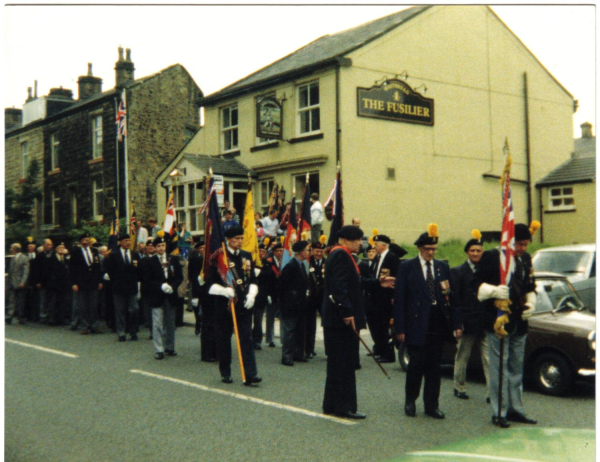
(117, 153)
(126, 175)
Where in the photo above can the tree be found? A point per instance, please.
(19, 205)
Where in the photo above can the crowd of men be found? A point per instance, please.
(355, 284)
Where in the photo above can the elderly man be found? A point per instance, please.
(425, 315)
(272, 268)
(18, 272)
(316, 286)
(44, 263)
(317, 216)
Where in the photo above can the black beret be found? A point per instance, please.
(318, 245)
(352, 233)
(85, 235)
(159, 240)
(277, 246)
(261, 247)
(150, 241)
(397, 250)
(425, 239)
(522, 232)
(471, 243)
(299, 246)
(198, 244)
(382, 238)
(369, 247)
(124, 236)
(234, 231)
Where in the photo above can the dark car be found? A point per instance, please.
(561, 343)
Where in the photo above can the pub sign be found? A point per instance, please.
(268, 118)
(395, 100)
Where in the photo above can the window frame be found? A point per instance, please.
(190, 208)
(54, 152)
(55, 202)
(300, 111)
(562, 196)
(24, 158)
(95, 202)
(97, 136)
(226, 117)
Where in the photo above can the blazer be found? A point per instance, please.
(316, 281)
(466, 298)
(84, 276)
(244, 269)
(18, 271)
(195, 263)
(124, 277)
(412, 304)
(58, 278)
(154, 277)
(293, 286)
(382, 297)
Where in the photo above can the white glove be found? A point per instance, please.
(166, 288)
(226, 292)
(487, 291)
(252, 292)
(106, 277)
(201, 281)
(256, 272)
(138, 296)
(530, 299)
(269, 299)
(195, 302)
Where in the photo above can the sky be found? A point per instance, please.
(219, 45)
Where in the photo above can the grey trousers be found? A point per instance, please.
(126, 314)
(271, 309)
(86, 301)
(463, 353)
(512, 373)
(15, 304)
(163, 327)
(315, 233)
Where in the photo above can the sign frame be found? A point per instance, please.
(269, 118)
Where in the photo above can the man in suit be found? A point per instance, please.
(18, 272)
(232, 283)
(162, 275)
(195, 263)
(57, 285)
(521, 293)
(150, 251)
(273, 271)
(86, 277)
(342, 307)
(32, 304)
(44, 265)
(470, 308)
(123, 270)
(316, 287)
(293, 288)
(425, 315)
(262, 299)
(380, 311)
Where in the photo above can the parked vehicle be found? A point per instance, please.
(561, 343)
(576, 262)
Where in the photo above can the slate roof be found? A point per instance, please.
(220, 165)
(323, 51)
(585, 147)
(575, 170)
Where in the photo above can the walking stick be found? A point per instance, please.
(371, 353)
(500, 373)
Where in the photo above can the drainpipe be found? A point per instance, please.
(527, 149)
(541, 215)
(337, 115)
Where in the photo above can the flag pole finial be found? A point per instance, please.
(307, 177)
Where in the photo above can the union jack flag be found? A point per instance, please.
(507, 242)
(122, 118)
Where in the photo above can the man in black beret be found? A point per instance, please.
(232, 284)
(316, 286)
(272, 268)
(521, 293)
(293, 291)
(342, 306)
(425, 315)
(470, 308)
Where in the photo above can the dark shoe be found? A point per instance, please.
(312, 355)
(85, 332)
(287, 362)
(435, 413)
(21, 321)
(122, 338)
(150, 338)
(96, 331)
(252, 380)
(300, 360)
(272, 345)
(134, 337)
(383, 359)
(226, 379)
(410, 409)
(74, 327)
(257, 346)
(171, 352)
(357, 367)
(518, 417)
(500, 422)
(460, 394)
(352, 415)
(8, 321)
(208, 360)
(159, 356)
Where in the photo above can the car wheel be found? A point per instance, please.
(403, 357)
(552, 374)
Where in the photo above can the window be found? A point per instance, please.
(266, 188)
(391, 173)
(98, 199)
(308, 108)
(73, 203)
(188, 198)
(97, 137)
(25, 158)
(55, 203)
(54, 152)
(229, 131)
(300, 182)
(561, 198)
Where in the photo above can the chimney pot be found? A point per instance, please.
(120, 53)
(90, 69)
(128, 58)
(586, 130)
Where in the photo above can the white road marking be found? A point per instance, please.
(246, 398)
(468, 456)
(47, 350)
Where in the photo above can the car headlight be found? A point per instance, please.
(592, 340)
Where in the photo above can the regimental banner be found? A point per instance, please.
(268, 118)
(395, 100)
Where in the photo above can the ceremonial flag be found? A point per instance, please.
(273, 199)
(133, 228)
(121, 121)
(338, 211)
(290, 235)
(213, 232)
(250, 242)
(114, 228)
(304, 224)
(169, 215)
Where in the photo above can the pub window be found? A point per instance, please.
(188, 199)
(24, 158)
(561, 198)
(97, 136)
(229, 128)
(98, 199)
(266, 188)
(309, 115)
(391, 173)
(54, 152)
(55, 204)
(313, 183)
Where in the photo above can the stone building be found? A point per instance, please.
(75, 141)
(415, 107)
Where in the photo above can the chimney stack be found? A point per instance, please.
(29, 97)
(13, 118)
(35, 89)
(89, 85)
(124, 69)
(586, 130)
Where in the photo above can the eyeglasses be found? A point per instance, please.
(430, 249)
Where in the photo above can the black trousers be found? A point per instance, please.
(314, 305)
(293, 337)
(225, 330)
(340, 385)
(425, 362)
(208, 339)
(57, 305)
(259, 311)
(378, 319)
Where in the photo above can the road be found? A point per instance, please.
(71, 397)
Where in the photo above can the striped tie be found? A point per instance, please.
(430, 283)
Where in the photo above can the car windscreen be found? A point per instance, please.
(565, 263)
(551, 292)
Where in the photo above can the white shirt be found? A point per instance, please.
(471, 265)
(125, 254)
(163, 259)
(87, 254)
(142, 235)
(317, 213)
(381, 257)
(424, 267)
(270, 226)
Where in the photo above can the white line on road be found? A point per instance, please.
(246, 398)
(36, 347)
(466, 455)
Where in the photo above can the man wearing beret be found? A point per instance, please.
(86, 277)
(522, 295)
(380, 310)
(342, 306)
(232, 281)
(316, 286)
(425, 315)
(470, 308)
(272, 268)
(293, 291)
(123, 270)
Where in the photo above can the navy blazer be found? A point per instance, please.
(124, 277)
(466, 298)
(84, 276)
(293, 286)
(412, 304)
(154, 278)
